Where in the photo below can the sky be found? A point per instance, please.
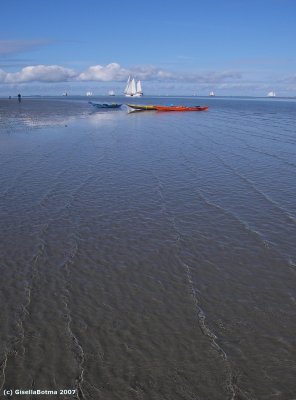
(184, 47)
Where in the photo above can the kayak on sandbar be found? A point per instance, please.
(142, 106)
(181, 108)
(105, 105)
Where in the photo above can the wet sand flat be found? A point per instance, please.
(148, 255)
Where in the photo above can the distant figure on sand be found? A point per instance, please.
(19, 97)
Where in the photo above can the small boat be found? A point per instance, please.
(142, 106)
(271, 94)
(105, 105)
(181, 108)
(111, 93)
(212, 94)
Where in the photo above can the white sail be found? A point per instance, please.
(128, 89)
(111, 93)
(211, 94)
(127, 85)
(133, 88)
(271, 94)
(139, 88)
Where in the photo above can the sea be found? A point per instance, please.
(148, 255)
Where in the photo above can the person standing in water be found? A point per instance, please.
(19, 97)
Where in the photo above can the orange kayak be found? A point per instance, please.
(181, 108)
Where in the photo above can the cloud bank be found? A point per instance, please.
(111, 72)
(55, 78)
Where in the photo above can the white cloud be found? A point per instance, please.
(114, 72)
(2, 75)
(151, 73)
(111, 72)
(208, 76)
(40, 73)
(154, 73)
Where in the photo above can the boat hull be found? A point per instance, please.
(105, 105)
(181, 108)
(134, 95)
(142, 106)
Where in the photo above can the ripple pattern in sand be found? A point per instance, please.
(149, 255)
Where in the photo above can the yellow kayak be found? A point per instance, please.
(142, 106)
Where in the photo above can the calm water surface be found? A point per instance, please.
(149, 255)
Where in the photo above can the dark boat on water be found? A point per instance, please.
(105, 105)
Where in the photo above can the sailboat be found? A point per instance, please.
(212, 94)
(271, 94)
(111, 93)
(133, 88)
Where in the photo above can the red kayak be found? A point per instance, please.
(181, 108)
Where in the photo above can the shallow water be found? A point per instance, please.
(148, 255)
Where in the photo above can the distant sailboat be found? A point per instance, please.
(271, 94)
(133, 88)
(212, 94)
(89, 94)
(111, 93)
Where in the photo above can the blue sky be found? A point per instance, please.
(234, 47)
